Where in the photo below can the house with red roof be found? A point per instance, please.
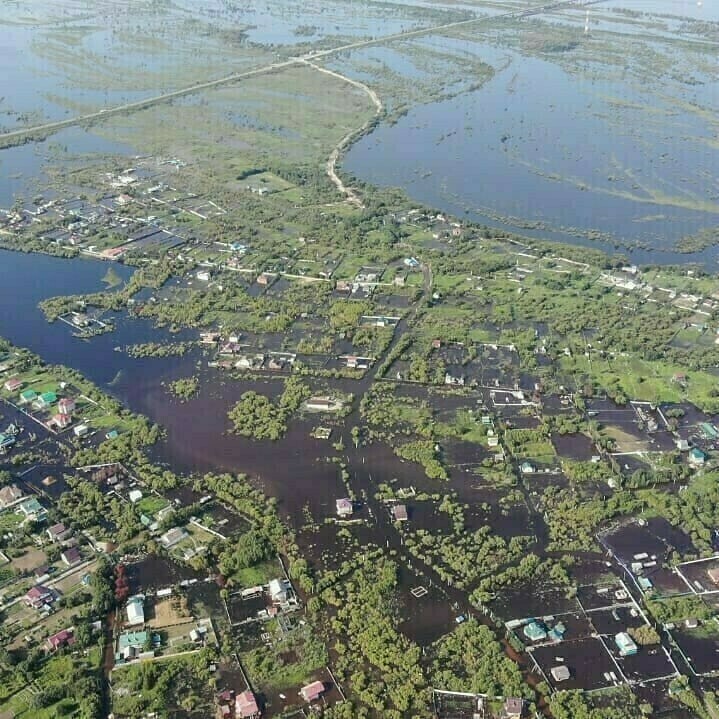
(312, 692)
(64, 638)
(38, 596)
(246, 706)
(13, 384)
(61, 421)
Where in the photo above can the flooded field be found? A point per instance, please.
(628, 183)
(154, 572)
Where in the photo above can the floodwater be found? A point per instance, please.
(22, 167)
(564, 148)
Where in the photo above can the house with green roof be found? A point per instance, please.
(45, 400)
(28, 396)
(697, 457)
(535, 631)
(31, 509)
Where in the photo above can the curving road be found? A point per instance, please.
(350, 194)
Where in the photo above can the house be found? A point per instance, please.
(9, 495)
(198, 634)
(246, 706)
(696, 457)
(535, 631)
(66, 405)
(64, 638)
(29, 395)
(6, 441)
(135, 611)
(71, 556)
(560, 673)
(204, 275)
(279, 590)
(112, 434)
(625, 644)
(399, 513)
(41, 572)
(13, 384)
(526, 468)
(31, 509)
(312, 692)
(264, 278)
(514, 708)
(38, 596)
(682, 445)
(713, 575)
(344, 507)
(81, 430)
(134, 495)
(172, 537)
(58, 532)
(61, 421)
(45, 400)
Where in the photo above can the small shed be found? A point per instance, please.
(626, 645)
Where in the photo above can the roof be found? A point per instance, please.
(48, 397)
(535, 631)
(312, 691)
(28, 394)
(10, 494)
(71, 556)
(38, 592)
(135, 611)
(400, 512)
(514, 706)
(278, 587)
(64, 636)
(131, 639)
(57, 529)
(31, 506)
(344, 505)
(246, 705)
(173, 536)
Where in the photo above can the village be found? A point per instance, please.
(455, 397)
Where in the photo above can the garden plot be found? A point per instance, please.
(698, 642)
(701, 576)
(644, 548)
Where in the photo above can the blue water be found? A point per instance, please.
(540, 144)
(22, 167)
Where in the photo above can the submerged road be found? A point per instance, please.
(29, 133)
